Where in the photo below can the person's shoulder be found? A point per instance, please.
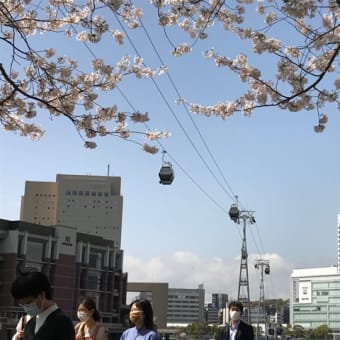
(127, 332)
(102, 328)
(153, 334)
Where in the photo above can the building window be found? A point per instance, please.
(35, 251)
(93, 280)
(95, 260)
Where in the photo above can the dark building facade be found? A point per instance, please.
(76, 264)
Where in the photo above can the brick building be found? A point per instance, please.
(76, 264)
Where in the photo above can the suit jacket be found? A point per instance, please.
(244, 332)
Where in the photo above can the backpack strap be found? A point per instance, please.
(23, 322)
(80, 328)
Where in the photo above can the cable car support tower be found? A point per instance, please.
(263, 265)
(243, 285)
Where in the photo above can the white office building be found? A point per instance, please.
(315, 298)
(315, 295)
(91, 204)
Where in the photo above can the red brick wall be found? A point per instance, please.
(64, 282)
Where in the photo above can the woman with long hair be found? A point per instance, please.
(89, 327)
(141, 316)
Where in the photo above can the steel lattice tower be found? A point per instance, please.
(264, 266)
(243, 284)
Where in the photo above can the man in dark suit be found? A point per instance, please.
(33, 292)
(236, 329)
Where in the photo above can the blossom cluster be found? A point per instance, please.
(34, 81)
(302, 69)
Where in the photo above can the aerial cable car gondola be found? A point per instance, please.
(166, 173)
(234, 213)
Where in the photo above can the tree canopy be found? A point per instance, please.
(302, 37)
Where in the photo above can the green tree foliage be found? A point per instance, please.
(198, 329)
(296, 331)
(321, 332)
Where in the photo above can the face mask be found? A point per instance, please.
(32, 309)
(135, 316)
(235, 315)
(82, 316)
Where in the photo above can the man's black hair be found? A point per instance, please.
(31, 283)
(237, 304)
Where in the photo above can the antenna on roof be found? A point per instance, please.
(108, 169)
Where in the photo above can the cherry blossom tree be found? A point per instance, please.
(301, 36)
(307, 76)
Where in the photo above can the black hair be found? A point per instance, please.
(237, 304)
(146, 307)
(89, 304)
(31, 283)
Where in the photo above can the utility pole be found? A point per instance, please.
(263, 265)
(243, 284)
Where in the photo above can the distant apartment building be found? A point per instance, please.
(270, 316)
(215, 311)
(219, 300)
(315, 298)
(77, 265)
(185, 306)
(91, 204)
(211, 314)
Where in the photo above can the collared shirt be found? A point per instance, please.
(139, 334)
(233, 330)
(40, 318)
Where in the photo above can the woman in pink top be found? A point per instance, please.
(89, 327)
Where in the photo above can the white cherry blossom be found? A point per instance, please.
(45, 80)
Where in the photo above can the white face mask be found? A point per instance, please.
(235, 315)
(82, 316)
(32, 309)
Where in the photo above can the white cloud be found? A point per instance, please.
(187, 270)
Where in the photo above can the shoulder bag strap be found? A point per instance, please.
(23, 322)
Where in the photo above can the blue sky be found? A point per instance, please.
(272, 160)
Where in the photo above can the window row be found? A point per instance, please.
(44, 195)
(86, 193)
(89, 206)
